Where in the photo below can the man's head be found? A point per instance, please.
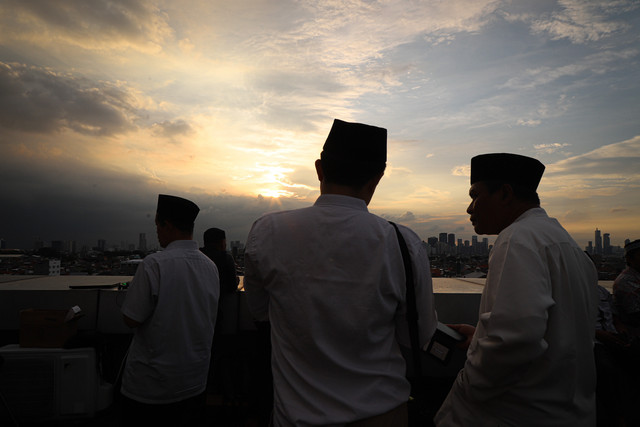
(503, 186)
(175, 218)
(354, 153)
(632, 254)
(215, 238)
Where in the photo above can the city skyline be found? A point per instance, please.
(600, 245)
(103, 107)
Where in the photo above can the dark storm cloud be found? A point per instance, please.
(131, 20)
(36, 99)
(57, 201)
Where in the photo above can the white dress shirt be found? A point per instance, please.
(531, 360)
(331, 280)
(174, 295)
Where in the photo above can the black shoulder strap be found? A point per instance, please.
(412, 311)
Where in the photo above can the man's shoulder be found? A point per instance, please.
(535, 226)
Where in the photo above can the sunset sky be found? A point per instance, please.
(105, 104)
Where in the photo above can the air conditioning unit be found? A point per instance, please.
(51, 383)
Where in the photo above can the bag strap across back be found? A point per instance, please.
(412, 311)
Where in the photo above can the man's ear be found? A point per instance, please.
(507, 193)
(319, 170)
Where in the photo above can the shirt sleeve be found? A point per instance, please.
(141, 294)
(510, 333)
(257, 296)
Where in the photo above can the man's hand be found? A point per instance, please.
(467, 331)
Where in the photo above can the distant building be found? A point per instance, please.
(598, 241)
(47, 267)
(606, 244)
(142, 242)
(102, 245)
(57, 245)
(71, 246)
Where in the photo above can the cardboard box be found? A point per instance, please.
(47, 328)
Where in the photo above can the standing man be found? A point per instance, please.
(530, 361)
(626, 293)
(215, 247)
(172, 304)
(331, 281)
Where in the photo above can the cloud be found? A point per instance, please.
(584, 21)
(592, 65)
(530, 122)
(550, 148)
(608, 174)
(37, 99)
(463, 170)
(620, 160)
(619, 210)
(171, 129)
(96, 25)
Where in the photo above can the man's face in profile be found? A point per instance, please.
(485, 209)
(161, 231)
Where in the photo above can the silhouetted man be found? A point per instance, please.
(215, 247)
(171, 303)
(530, 361)
(330, 278)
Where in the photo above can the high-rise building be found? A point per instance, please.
(142, 242)
(606, 244)
(598, 243)
(102, 245)
(443, 237)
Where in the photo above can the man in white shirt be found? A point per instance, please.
(331, 281)
(530, 361)
(171, 304)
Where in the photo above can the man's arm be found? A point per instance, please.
(257, 296)
(139, 301)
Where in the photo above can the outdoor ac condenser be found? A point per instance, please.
(49, 383)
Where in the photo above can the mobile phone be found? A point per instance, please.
(450, 332)
(443, 343)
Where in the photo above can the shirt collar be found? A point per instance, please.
(340, 200)
(530, 213)
(182, 244)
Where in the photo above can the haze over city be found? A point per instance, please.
(105, 104)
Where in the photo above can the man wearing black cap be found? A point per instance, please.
(171, 303)
(530, 361)
(330, 279)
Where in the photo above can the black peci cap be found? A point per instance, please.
(177, 208)
(507, 167)
(355, 142)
